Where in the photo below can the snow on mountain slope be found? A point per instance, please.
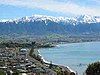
(74, 20)
(43, 25)
(82, 19)
(87, 19)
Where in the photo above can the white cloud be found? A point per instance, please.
(98, 1)
(54, 6)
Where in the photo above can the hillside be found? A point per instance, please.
(40, 25)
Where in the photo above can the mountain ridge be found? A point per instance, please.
(44, 25)
(81, 18)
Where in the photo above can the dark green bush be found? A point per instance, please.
(93, 69)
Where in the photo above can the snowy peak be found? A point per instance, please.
(97, 18)
(82, 19)
(87, 19)
(74, 20)
(45, 18)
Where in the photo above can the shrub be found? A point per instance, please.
(93, 69)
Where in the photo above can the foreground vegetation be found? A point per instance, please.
(93, 69)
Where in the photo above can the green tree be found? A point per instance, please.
(33, 44)
(93, 69)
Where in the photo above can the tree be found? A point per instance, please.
(93, 69)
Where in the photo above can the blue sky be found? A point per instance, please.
(19, 8)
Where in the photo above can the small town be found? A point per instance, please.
(26, 61)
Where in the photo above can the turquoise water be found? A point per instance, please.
(76, 55)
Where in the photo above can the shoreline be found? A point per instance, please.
(75, 43)
(79, 68)
(43, 58)
(47, 62)
(63, 67)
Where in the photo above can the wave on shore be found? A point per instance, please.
(55, 64)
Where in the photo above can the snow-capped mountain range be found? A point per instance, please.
(44, 25)
(74, 20)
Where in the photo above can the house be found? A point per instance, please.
(23, 53)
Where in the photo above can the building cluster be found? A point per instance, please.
(18, 61)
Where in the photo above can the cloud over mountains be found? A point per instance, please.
(64, 7)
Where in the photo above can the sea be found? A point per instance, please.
(75, 55)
